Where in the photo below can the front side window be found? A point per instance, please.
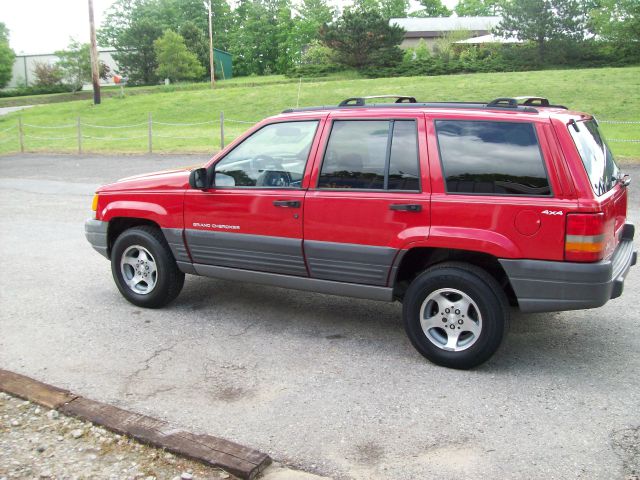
(371, 155)
(596, 156)
(491, 158)
(273, 157)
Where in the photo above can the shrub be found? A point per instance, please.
(36, 90)
(47, 75)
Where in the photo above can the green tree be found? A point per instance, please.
(540, 21)
(262, 39)
(363, 39)
(394, 8)
(432, 8)
(75, 64)
(175, 61)
(311, 16)
(131, 27)
(387, 8)
(197, 42)
(619, 22)
(7, 56)
(473, 8)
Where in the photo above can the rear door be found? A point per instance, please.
(495, 189)
(369, 194)
(252, 217)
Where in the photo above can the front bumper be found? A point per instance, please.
(543, 286)
(96, 233)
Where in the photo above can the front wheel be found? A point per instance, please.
(455, 315)
(144, 269)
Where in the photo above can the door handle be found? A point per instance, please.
(287, 203)
(406, 207)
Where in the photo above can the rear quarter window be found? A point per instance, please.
(491, 158)
(596, 156)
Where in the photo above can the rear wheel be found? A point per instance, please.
(144, 269)
(455, 314)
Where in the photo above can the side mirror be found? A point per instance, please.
(198, 179)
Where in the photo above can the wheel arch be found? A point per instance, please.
(117, 225)
(415, 260)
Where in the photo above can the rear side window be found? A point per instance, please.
(371, 155)
(491, 158)
(596, 156)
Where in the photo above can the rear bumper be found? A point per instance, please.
(543, 286)
(96, 233)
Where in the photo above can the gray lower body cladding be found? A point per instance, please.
(347, 262)
(343, 289)
(176, 244)
(96, 233)
(543, 286)
(250, 252)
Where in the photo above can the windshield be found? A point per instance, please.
(596, 156)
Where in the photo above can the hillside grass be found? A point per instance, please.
(608, 93)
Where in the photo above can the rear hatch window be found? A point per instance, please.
(596, 156)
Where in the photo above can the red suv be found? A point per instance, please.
(458, 210)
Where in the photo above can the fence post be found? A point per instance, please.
(221, 130)
(150, 133)
(79, 137)
(21, 134)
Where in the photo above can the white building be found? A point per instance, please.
(24, 66)
(430, 29)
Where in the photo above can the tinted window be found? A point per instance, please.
(597, 158)
(403, 164)
(500, 158)
(355, 156)
(362, 154)
(273, 157)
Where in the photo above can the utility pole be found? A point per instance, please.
(211, 63)
(95, 66)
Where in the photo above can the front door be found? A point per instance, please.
(251, 218)
(369, 197)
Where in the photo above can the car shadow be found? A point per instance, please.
(534, 342)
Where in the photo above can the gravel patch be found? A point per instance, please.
(37, 443)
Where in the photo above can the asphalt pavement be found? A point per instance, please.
(328, 384)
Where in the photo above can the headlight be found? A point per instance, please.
(94, 204)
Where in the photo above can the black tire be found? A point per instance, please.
(490, 302)
(168, 280)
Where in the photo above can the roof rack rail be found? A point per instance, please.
(360, 101)
(406, 101)
(503, 102)
(533, 101)
(525, 101)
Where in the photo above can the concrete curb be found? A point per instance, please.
(241, 461)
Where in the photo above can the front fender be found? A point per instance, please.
(135, 209)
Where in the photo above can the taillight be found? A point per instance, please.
(585, 238)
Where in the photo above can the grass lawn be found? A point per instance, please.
(609, 93)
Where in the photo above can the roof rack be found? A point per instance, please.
(534, 101)
(522, 104)
(360, 101)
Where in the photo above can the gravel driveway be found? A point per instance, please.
(325, 383)
(39, 443)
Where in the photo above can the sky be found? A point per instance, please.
(44, 26)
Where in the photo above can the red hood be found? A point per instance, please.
(163, 180)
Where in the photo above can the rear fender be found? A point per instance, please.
(469, 239)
